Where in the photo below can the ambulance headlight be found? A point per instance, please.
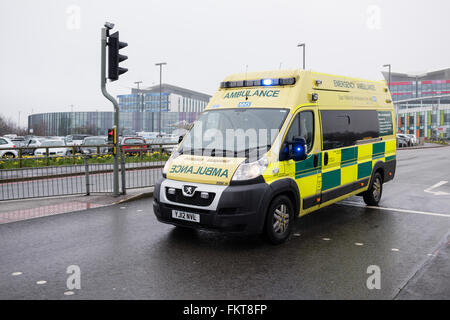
(248, 171)
(173, 156)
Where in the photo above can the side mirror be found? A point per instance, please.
(297, 149)
(180, 138)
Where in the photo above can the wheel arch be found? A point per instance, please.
(286, 186)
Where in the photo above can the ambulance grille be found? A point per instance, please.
(195, 200)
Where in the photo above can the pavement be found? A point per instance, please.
(18, 210)
(123, 252)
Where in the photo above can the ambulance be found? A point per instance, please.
(274, 146)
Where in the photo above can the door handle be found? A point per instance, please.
(325, 158)
(316, 160)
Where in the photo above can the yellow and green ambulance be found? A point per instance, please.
(273, 146)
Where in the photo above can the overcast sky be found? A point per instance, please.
(50, 56)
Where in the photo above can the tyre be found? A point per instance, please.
(279, 220)
(373, 195)
(9, 155)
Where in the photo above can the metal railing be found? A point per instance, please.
(80, 173)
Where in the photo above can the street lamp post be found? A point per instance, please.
(141, 104)
(304, 47)
(160, 92)
(385, 66)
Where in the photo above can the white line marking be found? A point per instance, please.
(359, 244)
(395, 249)
(18, 273)
(139, 210)
(123, 208)
(296, 234)
(356, 204)
(69, 293)
(326, 239)
(437, 185)
(41, 282)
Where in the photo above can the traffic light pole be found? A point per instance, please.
(104, 35)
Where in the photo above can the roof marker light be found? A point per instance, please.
(267, 82)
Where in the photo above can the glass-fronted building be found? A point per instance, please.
(98, 123)
(139, 111)
(173, 99)
(422, 102)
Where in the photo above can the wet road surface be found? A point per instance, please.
(124, 253)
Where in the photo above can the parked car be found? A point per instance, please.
(414, 140)
(58, 149)
(89, 145)
(406, 138)
(32, 142)
(19, 141)
(76, 139)
(402, 141)
(167, 148)
(132, 145)
(7, 153)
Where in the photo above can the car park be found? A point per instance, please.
(6, 143)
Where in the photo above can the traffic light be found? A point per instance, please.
(114, 58)
(111, 135)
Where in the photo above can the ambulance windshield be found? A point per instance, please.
(234, 132)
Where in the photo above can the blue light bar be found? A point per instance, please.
(257, 83)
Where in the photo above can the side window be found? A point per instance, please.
(342, 128)
(2, 141)
(303, 126)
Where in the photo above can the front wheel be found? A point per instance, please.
(373, 195)
(279, 220)
(9, 155)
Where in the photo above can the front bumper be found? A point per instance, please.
(239, 209)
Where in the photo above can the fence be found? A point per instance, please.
(80, 173)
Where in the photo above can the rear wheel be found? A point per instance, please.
(279, 220)
(373, 195)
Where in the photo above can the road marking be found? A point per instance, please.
(41, 282)
(437, 193)
(395, 249)
(18, 273)
(123, 208)
(356, 204)
(139, 210)
(359, 244)
(326, 239)
(69, 293)
(296, 234)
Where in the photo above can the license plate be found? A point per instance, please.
(187, 216)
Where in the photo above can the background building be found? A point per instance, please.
(98, 123)
(139, 111)
(422, 102)
(174, 99)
